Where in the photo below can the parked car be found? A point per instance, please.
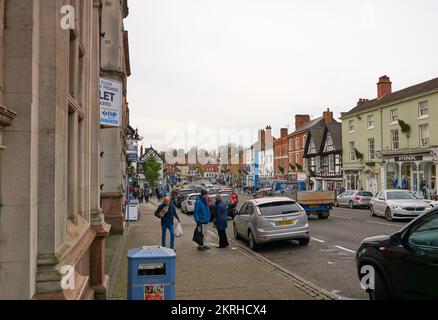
(231, 206)
(397, 204)
(232, 193)
(263, 193)
(188, 205)
(271, 219)
(405, 264)
(354, 198)
(181, 195)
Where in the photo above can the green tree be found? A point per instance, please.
(152, 171)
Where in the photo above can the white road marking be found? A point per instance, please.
(322, 241)
(345, 249)
(340, 217)
(386, 224)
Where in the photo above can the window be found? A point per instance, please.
(370, 122)
(423, 109)
(312, 148)
(426, 235)
(395, 139)
(371, 149)
(297, 158)
(297, 143)
(352, 151)
(331, 163)
(393, 116)
(338, 163)
(424, 135)
(351, 126)
(329, 143)
(290, 144)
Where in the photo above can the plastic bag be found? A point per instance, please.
(179, 231)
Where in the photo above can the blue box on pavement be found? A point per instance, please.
(151, 273)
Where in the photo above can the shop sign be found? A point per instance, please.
(409, 157)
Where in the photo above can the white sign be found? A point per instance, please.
(110, 102)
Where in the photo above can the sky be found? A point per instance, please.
(207, 72)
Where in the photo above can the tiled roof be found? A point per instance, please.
(417, 89)
(308, 126)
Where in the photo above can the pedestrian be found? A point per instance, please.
(146, 195)
(221, 221)
(167, 212)
(202, 217)
(141, 195)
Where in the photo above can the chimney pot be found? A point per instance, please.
(301, 120)
(384, 86)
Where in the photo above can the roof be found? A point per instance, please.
(270, 200)
(422, 88)
(308, 126)
(335, 130)
(147, 150)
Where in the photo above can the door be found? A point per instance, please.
(379, 204)
(240, 217)
(414, 264)
(248, 218)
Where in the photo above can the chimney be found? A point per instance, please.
(362, 101)
(301, 120)
(284, 132)
(384, 86)
(328, 116)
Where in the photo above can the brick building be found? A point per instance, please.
(281, 153)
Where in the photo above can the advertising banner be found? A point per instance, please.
(110, 102)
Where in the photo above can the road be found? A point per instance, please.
(329, 260)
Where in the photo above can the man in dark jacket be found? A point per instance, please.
(202, 216)
(167, 212)
(221, 221)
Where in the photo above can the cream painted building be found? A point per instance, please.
(51, 223)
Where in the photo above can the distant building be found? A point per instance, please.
(151, 152)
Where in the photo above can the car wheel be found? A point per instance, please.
(236, 233)
(388, 214)
(336, 204)
(304, 241)
(323, 215)
(252, 243)
(372, 211)
(351, 205)
(380, 291)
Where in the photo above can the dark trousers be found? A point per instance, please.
(223, 240)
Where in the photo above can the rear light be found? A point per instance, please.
(357, 198)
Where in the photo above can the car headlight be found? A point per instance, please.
(397, 207)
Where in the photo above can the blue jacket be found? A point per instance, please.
(167, 220)
(221, 215)
(202, 211)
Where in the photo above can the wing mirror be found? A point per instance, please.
(396, 239)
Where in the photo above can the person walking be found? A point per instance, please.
(167, 212)
(141, 195)
(221, 221)
(146, 195)
(202, 217)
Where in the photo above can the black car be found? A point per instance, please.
(180, 196)
(231, 207)
(405, 264)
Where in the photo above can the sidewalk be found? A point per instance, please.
(217, 274)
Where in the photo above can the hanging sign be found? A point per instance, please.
(110, 102)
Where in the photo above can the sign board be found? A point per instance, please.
(154, 292)
(110, 102)
(132, 152)
(409, 157)
(131, 157)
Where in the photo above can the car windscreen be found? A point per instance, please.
(398, 195)
(193, 197)
(365, 194)
(186, 192)
(278, 208)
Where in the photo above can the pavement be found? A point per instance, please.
(235, 273)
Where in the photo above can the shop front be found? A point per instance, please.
(416, 172)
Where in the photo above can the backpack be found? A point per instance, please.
(160, 214)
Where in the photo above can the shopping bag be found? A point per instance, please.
(179, 231)
(198, 237)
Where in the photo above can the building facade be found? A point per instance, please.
(281, 153)
(115, 66)
(51, 220)
(391, 142)
(323, 155)
(297, 140)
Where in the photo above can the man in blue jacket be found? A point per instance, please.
(202, 216)
(167, 212)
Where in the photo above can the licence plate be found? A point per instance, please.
(285, 223)
(313, 206)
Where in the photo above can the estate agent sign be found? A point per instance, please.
(110, 102)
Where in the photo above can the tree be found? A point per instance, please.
(152, 171)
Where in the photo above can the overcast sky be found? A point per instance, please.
(244, 64)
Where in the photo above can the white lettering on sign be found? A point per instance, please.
(110, 102)
(68, 20)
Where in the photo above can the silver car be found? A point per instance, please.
(188, 205)
(353, 199)
(271, 219)
(398, 204)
